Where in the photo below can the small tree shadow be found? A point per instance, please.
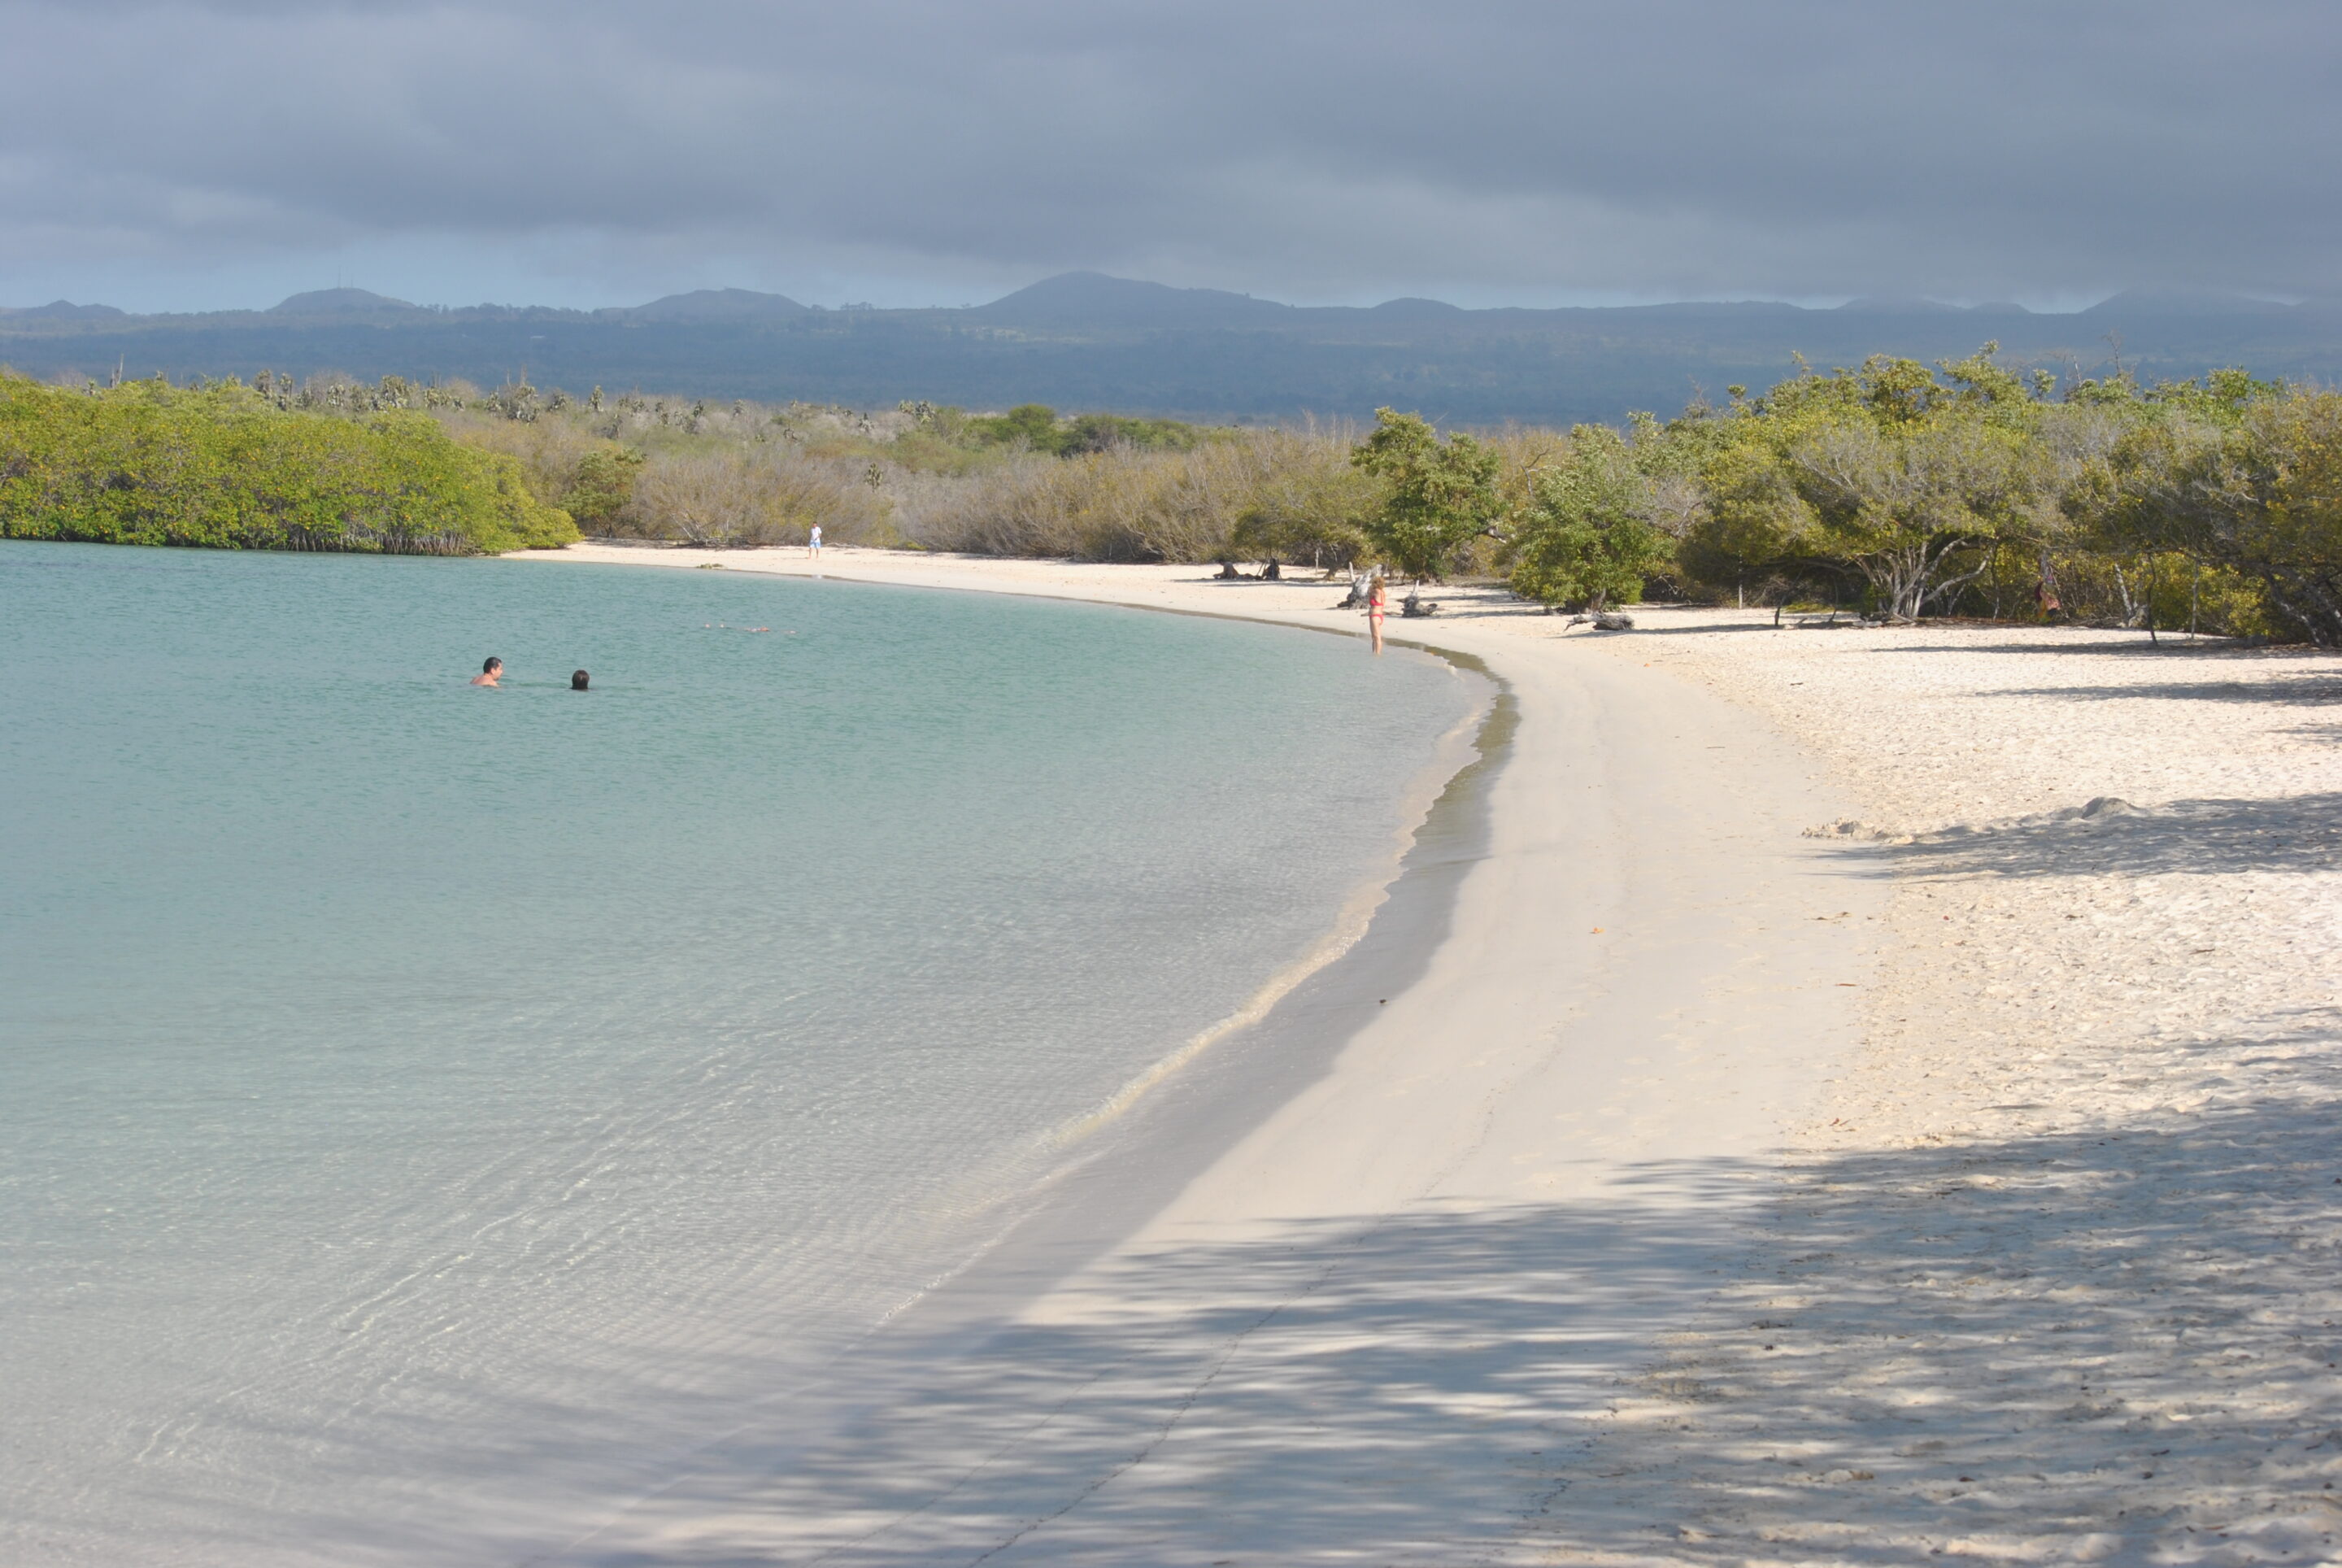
(2296, 833)
(2303, 690)
(2173, 646)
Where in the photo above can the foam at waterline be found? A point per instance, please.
(1471, 739)
(1473, 745)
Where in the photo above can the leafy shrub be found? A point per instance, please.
(1586, 539)
(1439, 495)
(602, 485)
(2255, 491)
(1036, 427)
(223, 466)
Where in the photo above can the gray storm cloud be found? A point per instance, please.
(1497, 150)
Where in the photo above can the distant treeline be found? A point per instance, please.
(223, 467)
(1896, 489)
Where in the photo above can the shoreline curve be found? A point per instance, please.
(1504, 1181)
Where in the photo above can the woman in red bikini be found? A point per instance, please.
(1376, 602)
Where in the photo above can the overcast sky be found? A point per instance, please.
(223, 153)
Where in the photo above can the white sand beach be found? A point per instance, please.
(1811, 1139)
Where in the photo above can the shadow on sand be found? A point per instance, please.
(2289, 688)
(2098, 641)
(2297, 833)
(2103, 1343)
(1399, 1391)
(2113, 1339)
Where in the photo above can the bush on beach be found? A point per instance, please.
(221, 467)
(1966, 488)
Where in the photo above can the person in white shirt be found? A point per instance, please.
(813, 542)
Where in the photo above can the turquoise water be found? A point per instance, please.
(427, 1112)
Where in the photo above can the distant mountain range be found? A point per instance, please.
(1084, 341)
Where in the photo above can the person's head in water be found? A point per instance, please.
(577, 680)
(489, 671)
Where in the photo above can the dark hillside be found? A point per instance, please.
(1087, 341)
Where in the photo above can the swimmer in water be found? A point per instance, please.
(577, 680)
(489, 673)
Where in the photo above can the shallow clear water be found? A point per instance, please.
(426, 1111)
